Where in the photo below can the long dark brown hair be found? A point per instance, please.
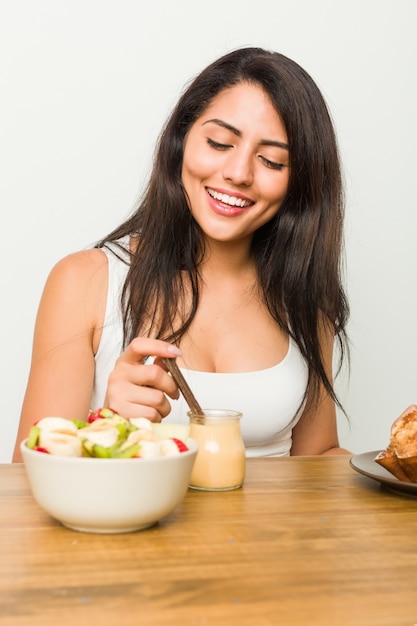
(297, 253)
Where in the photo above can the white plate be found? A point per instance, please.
(365, 464)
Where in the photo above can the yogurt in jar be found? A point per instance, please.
(220, 464)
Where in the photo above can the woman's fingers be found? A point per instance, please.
(139, 389)
(141, 347)
(139, 401)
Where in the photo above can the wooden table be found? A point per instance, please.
(307, 541)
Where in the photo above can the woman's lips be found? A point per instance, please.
(227, 203)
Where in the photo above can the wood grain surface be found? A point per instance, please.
(306, 541)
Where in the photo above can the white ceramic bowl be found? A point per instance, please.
(108, 495)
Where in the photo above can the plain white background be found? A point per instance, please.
(85, 88)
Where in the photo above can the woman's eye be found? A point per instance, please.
(272, 164)
(218, 146)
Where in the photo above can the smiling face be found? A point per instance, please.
(236, 164)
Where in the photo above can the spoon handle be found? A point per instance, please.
(176, 374)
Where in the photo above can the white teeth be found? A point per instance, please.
(226, 199)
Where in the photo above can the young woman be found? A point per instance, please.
(230, 264)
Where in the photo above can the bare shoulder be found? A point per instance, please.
(81, 270)
(77, 287)
(83, 264)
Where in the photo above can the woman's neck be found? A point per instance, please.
(228, 259)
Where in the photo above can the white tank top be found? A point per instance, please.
(270, 399)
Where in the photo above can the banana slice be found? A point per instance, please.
(60, 444)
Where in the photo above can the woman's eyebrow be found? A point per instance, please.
(224, 124)
(237, 132)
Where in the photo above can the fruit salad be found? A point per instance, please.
(105, 435)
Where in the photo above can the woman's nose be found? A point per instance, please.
(238, 167)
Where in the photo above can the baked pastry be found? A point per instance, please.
(400, 456)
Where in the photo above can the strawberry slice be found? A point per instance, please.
(93, 416)
(102, 413)
(180, 444)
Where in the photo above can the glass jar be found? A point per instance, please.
(220, 464)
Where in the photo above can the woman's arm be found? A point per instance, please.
(66, 330)
(66, 338)
(316, 431)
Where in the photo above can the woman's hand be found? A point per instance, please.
(139, 389)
